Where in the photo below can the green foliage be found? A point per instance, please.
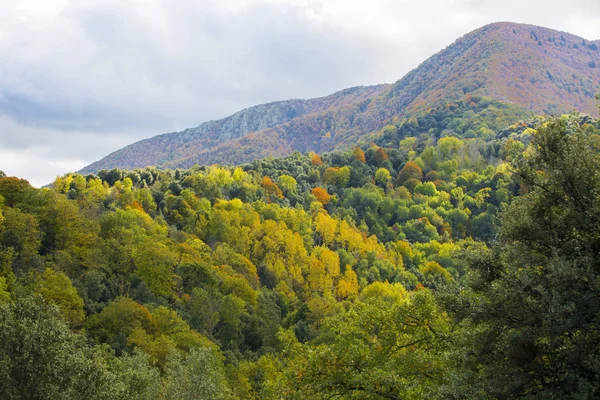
(200, 375)
(382, 348)
(534, 322)
(40, 358)
(429, 265)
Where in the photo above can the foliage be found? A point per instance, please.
(437, 265)
(534, 296)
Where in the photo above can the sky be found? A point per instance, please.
(81, 79)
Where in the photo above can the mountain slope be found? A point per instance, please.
(171, 147)
(541, 69)
(527, 68)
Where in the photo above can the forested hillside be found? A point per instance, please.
(523, 70)
(459, 263)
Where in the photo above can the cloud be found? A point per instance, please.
(41, 154)
(92, 76)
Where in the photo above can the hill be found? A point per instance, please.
(518, 70)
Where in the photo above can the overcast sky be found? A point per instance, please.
(80, 79)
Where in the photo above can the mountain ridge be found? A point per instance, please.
(533, 69)
(291, 109)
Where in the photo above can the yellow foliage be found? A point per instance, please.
(326, 227)
(347, 286)
(432, 268)
(240, 287)
(56, 288)
(393, 292)
(330, 260)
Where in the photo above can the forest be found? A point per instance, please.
(455, 263)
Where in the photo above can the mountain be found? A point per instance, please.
(518, 69)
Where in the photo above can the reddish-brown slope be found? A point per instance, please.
(541, 69)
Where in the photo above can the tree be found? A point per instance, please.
(337, 176)
(21, 234)
(348, 285)
(382, 177)
(287, 184)
(316, 160)
(359, 155)
(230, 327)
(381, 348)
(56, 288)
(326, 227)
(434, 275)
(271, 189)
(409, 171)
(117, 322)
(199, 375)
(449, 146)
(169, 335)
(203, 306)
(14, 190)
(40, 358)
(155, 263)
(534, 319)
(322, 196)
(380, 156)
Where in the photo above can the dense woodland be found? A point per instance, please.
(457, 263)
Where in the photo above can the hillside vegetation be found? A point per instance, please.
(461, 263)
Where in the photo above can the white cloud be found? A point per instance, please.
(41, 154)
(112, 71)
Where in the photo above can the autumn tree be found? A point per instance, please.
(359, 155)
(271, 189)
(315, 159)
(409, 171)
(322, 196)
(380, 156)
(288, 185)
(347, 287)
(56, 288)
(382, 176)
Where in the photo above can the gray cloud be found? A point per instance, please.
(81, 79)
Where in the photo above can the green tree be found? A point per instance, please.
(40, 358)
(200, 375)
(382, 348)
(534, 319)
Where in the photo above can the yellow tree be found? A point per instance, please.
(359, 155)
(326, 227)
(154, 262)
(347, 287)
(56, 288)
